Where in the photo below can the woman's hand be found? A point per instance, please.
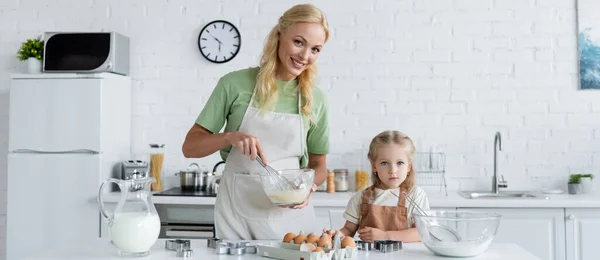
(246, 144)
(312, 189)
(370, 234)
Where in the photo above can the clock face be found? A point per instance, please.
(219, 41)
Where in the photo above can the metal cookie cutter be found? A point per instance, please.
(386, 246)
(235, 248)
(212, 242)
(364, 245)
(186, 253)
(177, 244)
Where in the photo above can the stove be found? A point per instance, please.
(177, 191)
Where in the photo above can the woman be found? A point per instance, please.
(273, 112)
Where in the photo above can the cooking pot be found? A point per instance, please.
(193, 178)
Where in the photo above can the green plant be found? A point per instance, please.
(575, 179)
(591, 176)
(31, 48)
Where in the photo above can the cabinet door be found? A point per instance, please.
(55, 115)
(583, 227)
(539, 231)
(56, 208)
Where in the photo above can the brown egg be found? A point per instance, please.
(312, 238)
(300, 239)
(289, 237)
(319, 249)
(348, 242)
(324, 240)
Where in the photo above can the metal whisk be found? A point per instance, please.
(280, 181)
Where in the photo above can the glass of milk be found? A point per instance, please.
(134, 225)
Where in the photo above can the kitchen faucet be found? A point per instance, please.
(496, 184)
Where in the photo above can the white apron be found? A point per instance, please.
(242, 210)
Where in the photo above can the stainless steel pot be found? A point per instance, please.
(193, 179)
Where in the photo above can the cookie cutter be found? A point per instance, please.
(386, 246)
(212, 242)
(364, 245)
(177, 244)
(186, 253)
(235, 248)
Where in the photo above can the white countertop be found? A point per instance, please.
(436, 200)
(103, 250)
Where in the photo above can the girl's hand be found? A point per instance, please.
(246, 144)
(333, 232)
(370, 234)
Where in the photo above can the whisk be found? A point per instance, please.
(279, 180)
(436, 230)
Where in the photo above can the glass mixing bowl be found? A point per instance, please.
(457, 233)
(302, 180)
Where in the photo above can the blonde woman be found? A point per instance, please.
(273, 111)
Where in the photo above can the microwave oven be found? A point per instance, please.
(85, 52)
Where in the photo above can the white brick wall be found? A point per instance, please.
(449, 73)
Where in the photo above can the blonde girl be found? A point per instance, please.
(381, 211)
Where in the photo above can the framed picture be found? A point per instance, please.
(588, 29)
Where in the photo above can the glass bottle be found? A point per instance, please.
(341, 179)
(157, 157)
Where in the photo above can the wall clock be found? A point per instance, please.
(219, 41)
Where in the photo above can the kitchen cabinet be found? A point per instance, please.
(582, 227)
(541, 231)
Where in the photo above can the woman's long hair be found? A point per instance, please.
(266, 85)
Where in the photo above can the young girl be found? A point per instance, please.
(381, 212)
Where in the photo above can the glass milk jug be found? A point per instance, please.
(134, 225)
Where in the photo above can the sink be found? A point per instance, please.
(501, 195)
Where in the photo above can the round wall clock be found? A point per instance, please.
(219, 41)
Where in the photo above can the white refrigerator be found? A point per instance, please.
(67, 133)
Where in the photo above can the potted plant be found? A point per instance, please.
(32, 51)
(586, 183)
(575, 184)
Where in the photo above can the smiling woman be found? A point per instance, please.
(273, 111)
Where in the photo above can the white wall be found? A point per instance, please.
(448, 73)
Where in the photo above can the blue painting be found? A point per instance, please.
(588, 26)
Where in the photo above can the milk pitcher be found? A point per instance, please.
(134, 226)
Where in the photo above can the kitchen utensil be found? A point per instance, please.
(235, 248)
(187, 253)
(177, 244)
(134, 225)
(212, 242)
(364, 245)
(477, 231)
(193, 178)
(386, 246)
(280, 181)
(439, 232)
(303, 180)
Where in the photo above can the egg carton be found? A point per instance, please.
(290, 250)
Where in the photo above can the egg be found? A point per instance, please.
(300, 239)
(289, 237)
(307, 247)
(324, 240)
(319, 249)
(312, 238)
(348, 242)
